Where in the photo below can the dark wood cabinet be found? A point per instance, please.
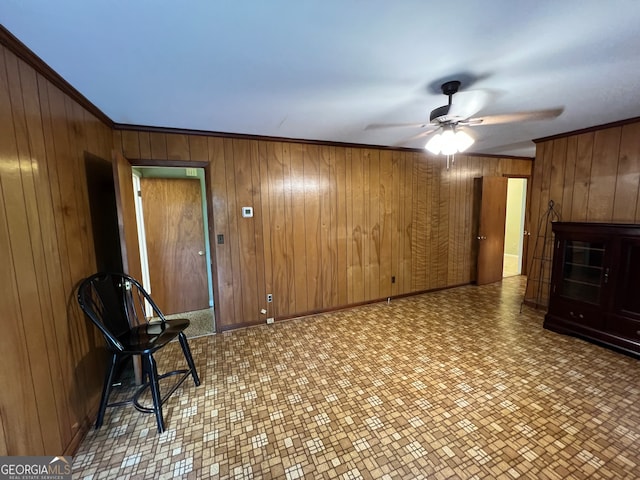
(595, 283)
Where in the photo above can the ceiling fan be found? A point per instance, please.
(451, 120)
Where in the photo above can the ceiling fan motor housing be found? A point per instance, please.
(439, 115)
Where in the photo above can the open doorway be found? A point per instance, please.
(173, 233)
(514, 227)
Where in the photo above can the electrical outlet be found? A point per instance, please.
(270, 320)
(269, 297)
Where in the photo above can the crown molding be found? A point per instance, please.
(594, 128)
(243, 136)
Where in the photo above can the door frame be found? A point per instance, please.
(527, 218)
(138, 162)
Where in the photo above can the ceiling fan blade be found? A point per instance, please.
(376, 126)
(416, 137)
(467, 103)
(514, 117)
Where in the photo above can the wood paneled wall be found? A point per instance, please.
(591, 177)
(51, 371)
(332, 225)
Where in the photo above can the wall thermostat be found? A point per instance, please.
(247, 212)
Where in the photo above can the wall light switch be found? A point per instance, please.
(247, 212)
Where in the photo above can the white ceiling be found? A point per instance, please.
(325, 69)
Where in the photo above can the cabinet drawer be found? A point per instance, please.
(624, 327)
(577, 313)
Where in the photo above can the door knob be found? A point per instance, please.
(201, 253)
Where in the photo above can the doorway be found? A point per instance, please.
(171, 214)
(514, 227)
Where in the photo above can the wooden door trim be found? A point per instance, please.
(148, 162)
(205, 165)
(527, 219)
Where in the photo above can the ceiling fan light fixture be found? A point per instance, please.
(434, 145)
(449, 142)
(463, 140)
(449, 145)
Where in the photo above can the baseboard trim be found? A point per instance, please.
(311, 313)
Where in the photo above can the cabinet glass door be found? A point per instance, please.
(582, 271)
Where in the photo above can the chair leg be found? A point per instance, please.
(187, 354)
(155, 391)
(106, 390)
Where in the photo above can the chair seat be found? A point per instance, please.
(117, 304)
(152, 336)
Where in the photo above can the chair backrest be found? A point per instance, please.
(115, 302)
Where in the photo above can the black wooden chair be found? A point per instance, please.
(115, 303)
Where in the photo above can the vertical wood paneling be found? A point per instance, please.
(198, 148)
(349, 244)
(177, 147)
(130, 144)
(259, 233)
(569, 178)
(358, 237)
(246, 231)
(582, 177)
(235, 240)
(604, 169)
(221, 226)
(420, 242)
(288, 182)
(407, 226)
(21, 399)
(277, 245)
(158, 144)
(313, 239)
(327, 267)
(453, 210)
(365, 225)
(298, 227)
(628, 176)
(386, 198)
(271, 231)
(33, 292)
(331, 225)
(331, 196)
(144, 141)
(372, 286)
(596, 174)
(432, 215)
(47, 248)
(556, 180)
(443, 227)
(335, 224)
(341, 225)
(396, 221)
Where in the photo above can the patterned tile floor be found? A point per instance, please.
(202, 322)
(452, 384)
